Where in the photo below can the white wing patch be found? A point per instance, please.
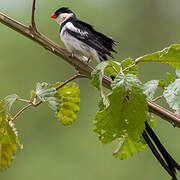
(71, 27)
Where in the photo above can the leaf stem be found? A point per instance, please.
(78, 75)
(132, 65)
(24, 100)
(157, 98)
(21, 111)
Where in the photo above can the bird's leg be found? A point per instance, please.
(88, 60)
(72, 54)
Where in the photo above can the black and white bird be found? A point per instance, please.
(81, 39)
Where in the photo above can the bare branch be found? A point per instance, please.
(21, 111)
(78, 75)
(83, 68)
(33, 24)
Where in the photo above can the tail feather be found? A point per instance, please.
(102, 56)
(167, 162)
(157, 155)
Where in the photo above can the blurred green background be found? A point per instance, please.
(52, 151)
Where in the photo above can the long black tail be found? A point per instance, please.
(164, 158)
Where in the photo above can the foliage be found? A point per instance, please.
(63, 101)
(8, 135)
(122, 119)
(122, 112)
(169, 55)
(150, 87)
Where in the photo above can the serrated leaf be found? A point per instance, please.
(64, 101)
(125, 147)
(126, 112)
(127, 63)
(162, 83)
(8, 135)
(98, 74)
(6, 104)
(48, 94)
(172, 95)
(112, 68)
(178, 72)
(150, 87)
(170, 77)
(7, 151)
(170, 55)
(69, 104)
(44, 91)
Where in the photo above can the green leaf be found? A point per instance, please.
(170, 77)
(98, 74)
(69, 102)
(170, 55)
(126, 113)
(48, 94)
(112, 68)
(64, 101)
(150, 88)
(7, 151)
(6, 104)
(126, 147)
(178, 72)
(152, 123)
(8, 135)
(127, 63)
(162, 83)
(172, 95)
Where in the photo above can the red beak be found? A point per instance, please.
(53, 16)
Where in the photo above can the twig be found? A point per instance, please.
(33, 24)
(24, 100)
(37, 104)
(21, 111)
(157, 98)
(125, 69)
(113, 69)
(78, 75)
(121, 70)
(83, 68)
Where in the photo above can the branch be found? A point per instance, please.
(78, 75)
(33, 24)
(21, 111)
(79, 65)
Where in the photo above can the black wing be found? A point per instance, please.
(86, 33)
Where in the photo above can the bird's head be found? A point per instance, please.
(62, 15)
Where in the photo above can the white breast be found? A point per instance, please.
(75, 46)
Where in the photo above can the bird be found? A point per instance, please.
(81, 39)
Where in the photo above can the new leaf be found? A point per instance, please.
(64, 101)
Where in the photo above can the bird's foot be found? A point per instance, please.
(88, 60)
(72, 55)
